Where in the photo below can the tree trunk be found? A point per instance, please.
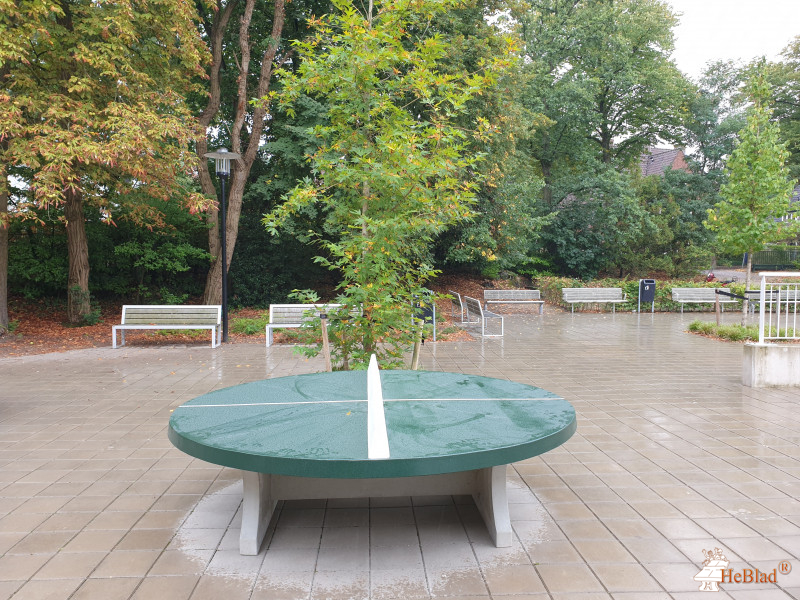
(239, 174)
(547, 190)
(78, 305)
(746, 302)
(4, 319)
(3, 251)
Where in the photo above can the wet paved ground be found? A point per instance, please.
(672, 457)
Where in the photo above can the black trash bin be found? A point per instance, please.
(426, 310)
(647, 293)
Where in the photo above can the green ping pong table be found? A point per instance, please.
(417, 433)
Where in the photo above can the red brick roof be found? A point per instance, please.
(656, 160)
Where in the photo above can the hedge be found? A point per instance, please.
(550, 288)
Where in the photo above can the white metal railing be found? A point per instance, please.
(778, 307)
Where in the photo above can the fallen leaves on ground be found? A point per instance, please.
(41, 327)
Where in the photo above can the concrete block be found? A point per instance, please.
(771, 365)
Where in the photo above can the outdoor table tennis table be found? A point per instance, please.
(319, 436)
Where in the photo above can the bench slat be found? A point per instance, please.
(512, 295)
(698, 296)
(283, 316)
(592, 296)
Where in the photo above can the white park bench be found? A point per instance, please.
(294, 315)
(170, 316)
(476, 314)
(698, 295)
(593, 296)
(513, 297)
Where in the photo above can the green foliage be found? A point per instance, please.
(630, 51)
(595, 226)
(784, 77)
(503, 234)
(167, 297)
(93, 111)
(601, 71)
(735, 332)
(551, 287)
(716, 115)
(678, 245)
(37, 264)
(81, 106)
(249, 326)
(597, 88)
(758, 188)
(128, 261)
(265, 268)
(390, 167)
(505, 231)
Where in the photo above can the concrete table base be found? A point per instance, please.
(263, 490)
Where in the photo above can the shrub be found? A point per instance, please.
(551, 287)
(733, 332)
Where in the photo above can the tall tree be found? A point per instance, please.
(505, 226)
(759, 188)
(252, 56)
(4, 319)
(784, 76)
(555, 90)
(716, 115)
(639, 95)
(26, 25)
(391, 171)
(95, 108)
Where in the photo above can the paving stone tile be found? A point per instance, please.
(672, 457)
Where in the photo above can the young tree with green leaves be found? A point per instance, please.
(93, 110)
(758, 189)
(390, 172)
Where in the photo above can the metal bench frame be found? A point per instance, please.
(513, 297)
(593, 296)
(474, 309)
(698, 295)
(170, 316)
(457, 304)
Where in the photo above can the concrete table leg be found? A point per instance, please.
(492, 502)
(262, 492)
(258, 505)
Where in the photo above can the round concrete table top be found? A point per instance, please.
(316, 425)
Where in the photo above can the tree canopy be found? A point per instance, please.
(390, 172)
(759, 188)
(95, 111)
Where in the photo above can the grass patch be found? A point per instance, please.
(250, 325)
(192, 333)
(734, 333)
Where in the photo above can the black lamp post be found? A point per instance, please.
(222, 159)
